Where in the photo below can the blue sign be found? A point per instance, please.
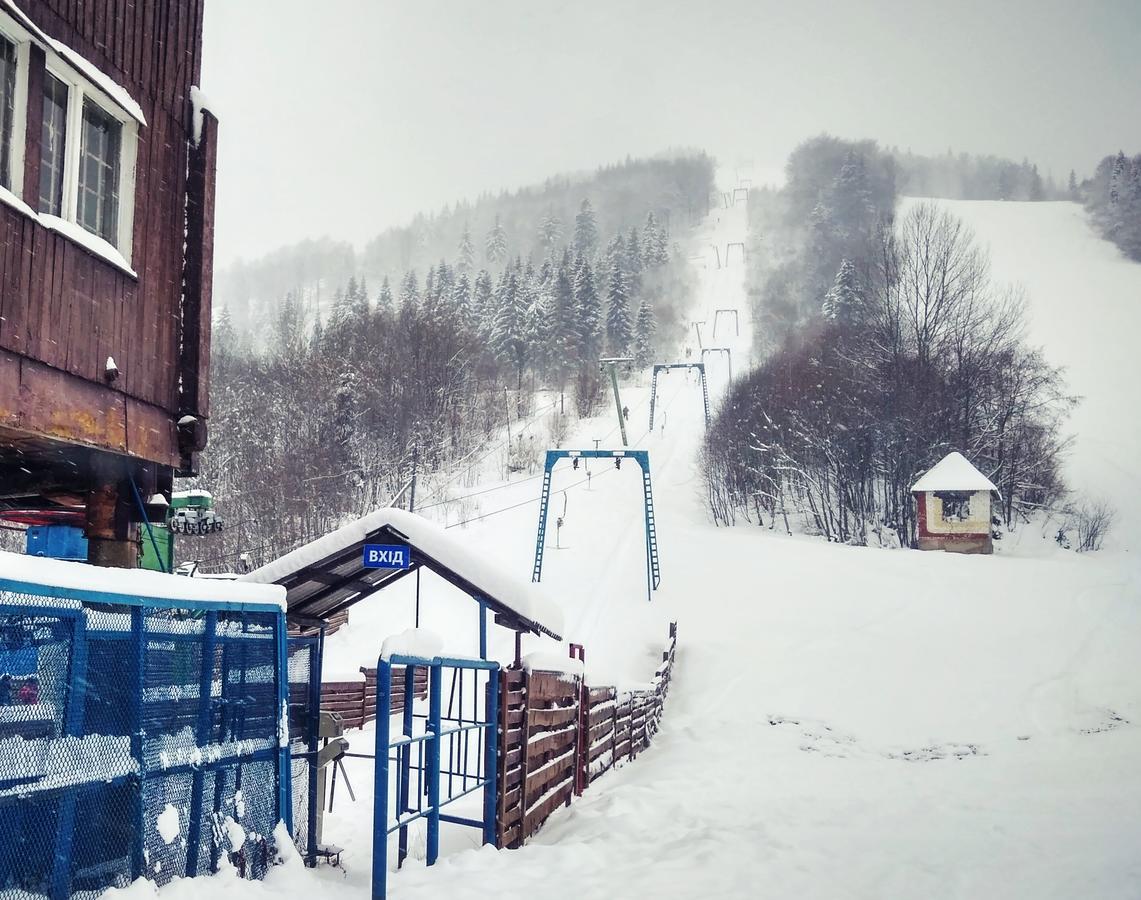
(386, 556)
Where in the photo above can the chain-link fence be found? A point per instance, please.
(138, 737)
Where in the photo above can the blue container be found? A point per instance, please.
(57, 542)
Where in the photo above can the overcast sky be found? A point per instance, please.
(343, 117)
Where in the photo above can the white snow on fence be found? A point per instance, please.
(35, 570)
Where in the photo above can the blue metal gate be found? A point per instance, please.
(439, 755)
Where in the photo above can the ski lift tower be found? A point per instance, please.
(666, 367)
(611, 365)
(642, 458)
(728, 356)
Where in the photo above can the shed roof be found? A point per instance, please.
(328, 575)
(953, 472)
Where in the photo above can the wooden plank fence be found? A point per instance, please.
(558, 735)
(356, 700)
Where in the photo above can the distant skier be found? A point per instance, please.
(626, 413)
(663, 423)
(688, 351)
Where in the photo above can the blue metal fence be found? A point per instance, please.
(440, 755)
(138, 737)
(304, 721)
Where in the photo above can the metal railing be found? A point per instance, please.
(433, 743)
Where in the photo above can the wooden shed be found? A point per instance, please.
(953, 503)
(107, 162)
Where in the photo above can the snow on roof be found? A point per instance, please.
(193, 492)
(953, 472)
(114, 91)
(80, 577)
(523, 598)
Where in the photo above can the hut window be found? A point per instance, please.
(7, 108)
(52, 145)
(956, 505)
(99, 172)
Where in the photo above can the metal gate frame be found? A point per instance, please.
(429, 768)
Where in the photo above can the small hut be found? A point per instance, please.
(954, 507)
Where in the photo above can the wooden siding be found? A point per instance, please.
(70, 309)
(557, 735)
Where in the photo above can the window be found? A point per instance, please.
(53, 143)
(99, 172)
(8, 68)
(87, 143)
(956, 505)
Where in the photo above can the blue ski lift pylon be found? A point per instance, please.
(642, 458)
(665, 367)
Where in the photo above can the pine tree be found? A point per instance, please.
(1072, 187)
(508, 336)
(634, 262)
(851, 198)
(585, 229)
(565, 338)
(224, 340)
(360, 302)
(1035, 188)
(410, 291)
(384, 298)
(618, 328)
(650, 241)
(550, 231)
(483, 305)
(644, 328)
(588, 312)
(496, 244)
(843, 303)
(466, 252)
(461, 303)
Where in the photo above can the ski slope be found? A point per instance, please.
(1084, 300)
(843, 722)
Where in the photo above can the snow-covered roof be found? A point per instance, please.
(433, 545)
(953, 472)
(114, 91)
(24, 573)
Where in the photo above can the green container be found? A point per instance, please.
(163, 561)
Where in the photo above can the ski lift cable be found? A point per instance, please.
(496, 512)
(461, 469)
(498, 487)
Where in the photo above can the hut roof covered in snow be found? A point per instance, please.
(953, 472)
(328, 575)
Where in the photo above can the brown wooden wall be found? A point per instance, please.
(67, 308)
(356, 700)
(557, 735)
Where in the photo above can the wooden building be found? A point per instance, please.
(954, 507)
(106, 244)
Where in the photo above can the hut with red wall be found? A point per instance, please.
(953, 502)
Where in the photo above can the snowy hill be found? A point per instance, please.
(844, 722)
(1085, 311)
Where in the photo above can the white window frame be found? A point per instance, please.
(21, 40)
(80, 89)
(83, 81)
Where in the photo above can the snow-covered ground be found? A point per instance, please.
(844, 722)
